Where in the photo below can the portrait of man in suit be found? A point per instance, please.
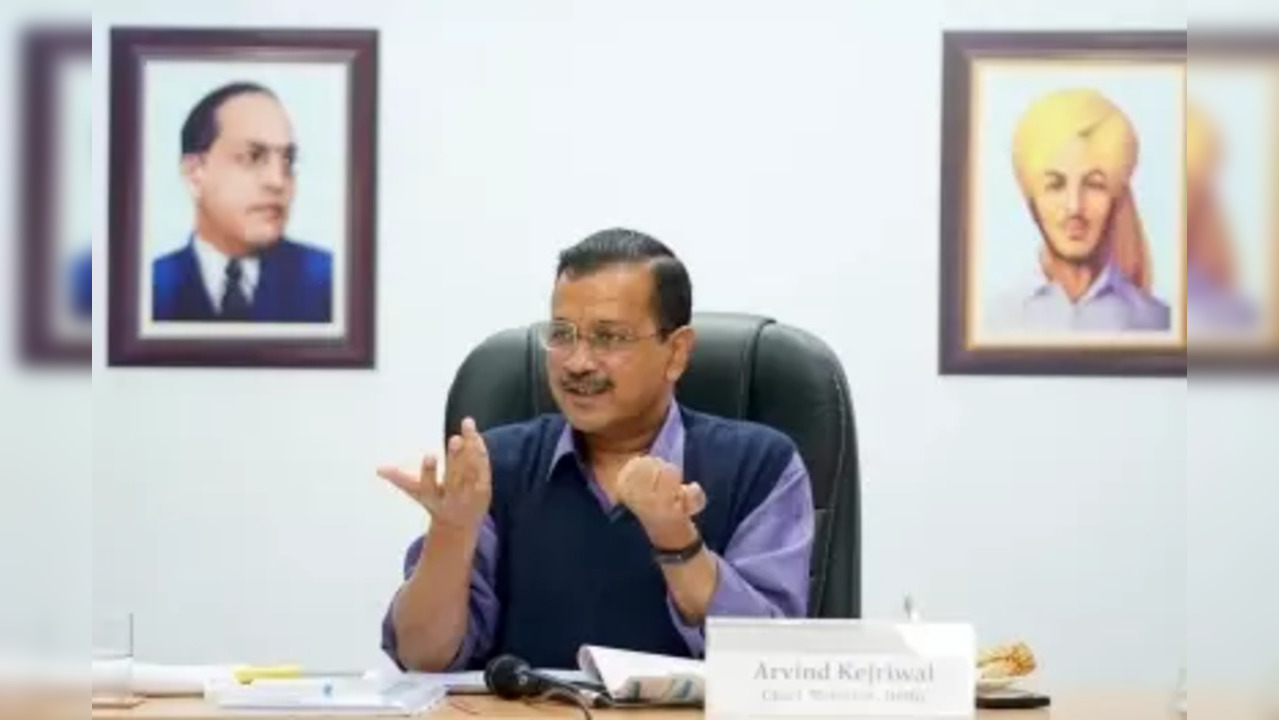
(55, 197)
(256, 248)
(1074, 154)
(239, 163)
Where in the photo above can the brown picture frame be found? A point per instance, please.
(131, 48)
(957, 354)
(43, 50)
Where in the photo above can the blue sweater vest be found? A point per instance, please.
(569, 573)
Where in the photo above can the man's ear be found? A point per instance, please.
(192, 170)
(681, 342)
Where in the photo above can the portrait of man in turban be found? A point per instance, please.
(1214, 304)
(1074, 155)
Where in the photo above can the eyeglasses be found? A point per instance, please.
(259, 157)
(562, 337)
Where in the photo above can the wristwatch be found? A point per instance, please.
(682, 555)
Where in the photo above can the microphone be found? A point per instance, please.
(511, 678)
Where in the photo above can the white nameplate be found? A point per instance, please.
(757, 668)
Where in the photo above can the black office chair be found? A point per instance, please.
(743, 366)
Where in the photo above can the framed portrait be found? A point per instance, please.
(55, 209)
(1063, 218)
(1232, 186)
(243, 168)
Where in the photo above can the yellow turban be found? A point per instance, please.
(1203, 144)
(1209, 244)
(1109, 141)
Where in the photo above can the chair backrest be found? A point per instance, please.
(743, 366)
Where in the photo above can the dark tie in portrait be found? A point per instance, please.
(238, 162)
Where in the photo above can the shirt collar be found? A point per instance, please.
(1109, 280)
(213, 264)
(667, 446)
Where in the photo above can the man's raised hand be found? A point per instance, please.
(462, 500)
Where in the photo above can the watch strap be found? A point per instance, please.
(680, 555)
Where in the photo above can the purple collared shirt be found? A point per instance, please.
(762, 573)
(1213, 311)
(1111, 304)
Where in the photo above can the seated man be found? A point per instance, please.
(624, 521)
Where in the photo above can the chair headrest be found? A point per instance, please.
(721, 372)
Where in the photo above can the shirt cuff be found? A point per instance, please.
(465, 649)
(732, 596)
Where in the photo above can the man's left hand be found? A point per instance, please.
(655, 492)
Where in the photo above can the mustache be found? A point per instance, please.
(586, 383)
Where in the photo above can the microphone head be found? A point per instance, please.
(507, 677)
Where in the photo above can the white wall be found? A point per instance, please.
(1232, 501)
(46, 463)
(797, 141)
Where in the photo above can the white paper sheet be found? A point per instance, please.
(472, 682)
(158, 680)
(643, 677)
(401, 695)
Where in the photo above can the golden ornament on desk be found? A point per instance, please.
(1002, 665)
(999, 666)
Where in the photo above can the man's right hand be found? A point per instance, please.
(462, 501)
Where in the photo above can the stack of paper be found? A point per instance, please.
(471, 682)
(401, 695)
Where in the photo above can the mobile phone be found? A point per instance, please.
(1013, 700)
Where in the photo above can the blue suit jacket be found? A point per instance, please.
(82, 285)
(296, 285)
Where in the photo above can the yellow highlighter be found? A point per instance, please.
(247, 674)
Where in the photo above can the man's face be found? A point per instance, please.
(618, 368)
(1072, 202)
(244, 184)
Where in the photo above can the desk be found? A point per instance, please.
(1074, 706)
